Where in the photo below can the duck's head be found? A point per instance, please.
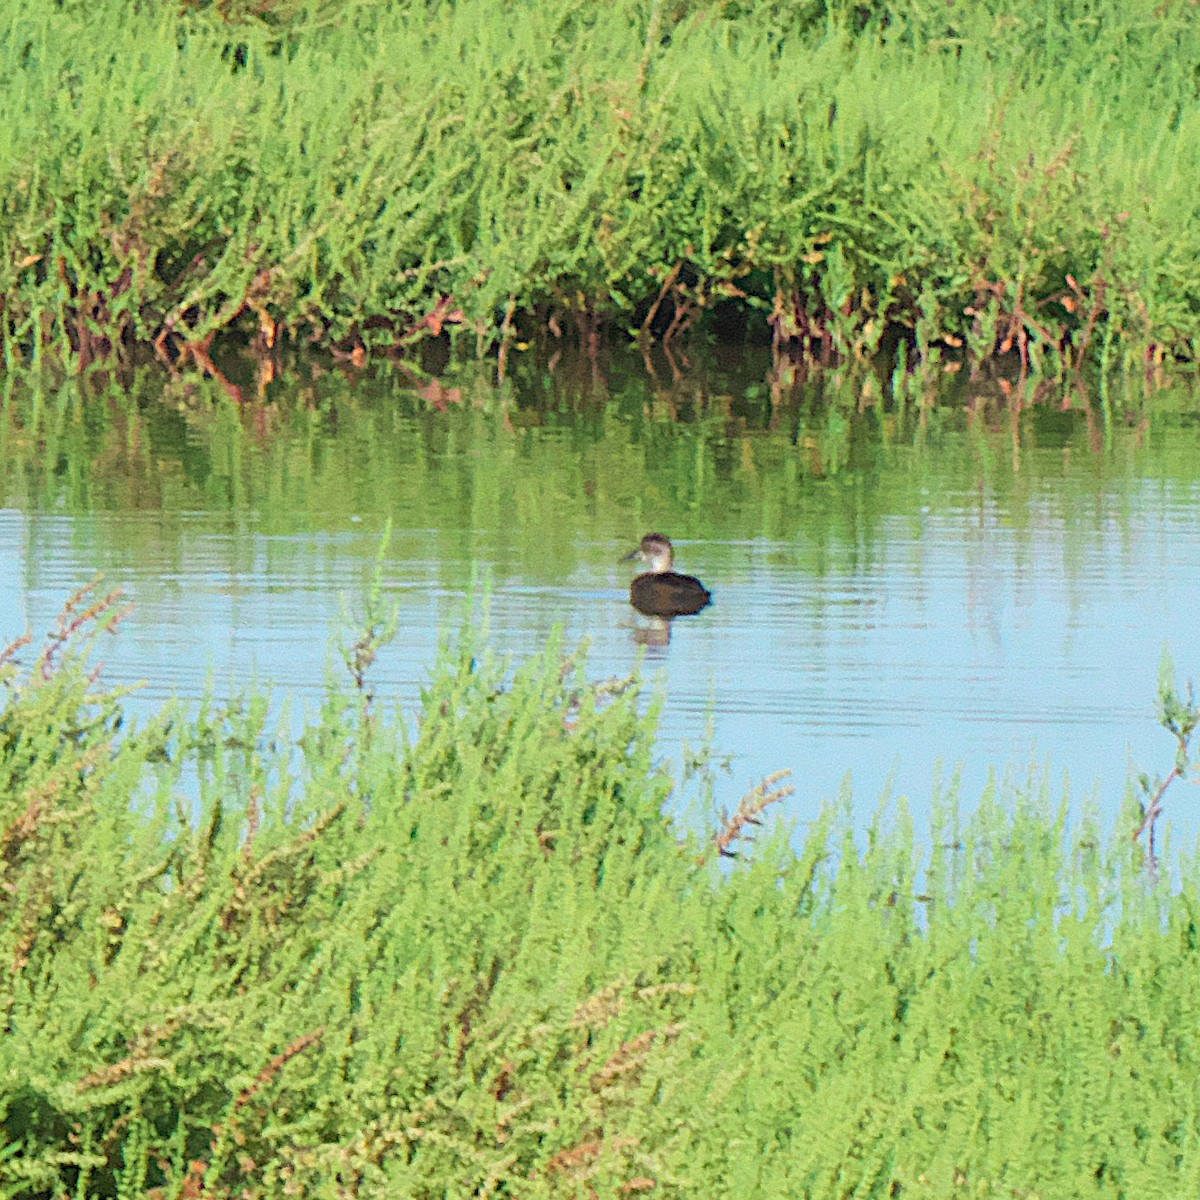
(655, 551)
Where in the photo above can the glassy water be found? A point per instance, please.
(894, 593)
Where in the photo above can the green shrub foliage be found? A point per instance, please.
(469, 956)
(984, 178)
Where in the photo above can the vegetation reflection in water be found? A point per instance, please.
(569, 458)
(805, 509)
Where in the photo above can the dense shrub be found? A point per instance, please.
(474, 958)
(966, 178)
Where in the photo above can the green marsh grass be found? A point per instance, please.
(468, 955)
(980, 180)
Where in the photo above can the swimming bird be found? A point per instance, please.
(660, 591)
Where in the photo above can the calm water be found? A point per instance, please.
(892, 591)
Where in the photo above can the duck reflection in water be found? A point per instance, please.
(660, 591)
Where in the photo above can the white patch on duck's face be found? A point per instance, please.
(657, 556)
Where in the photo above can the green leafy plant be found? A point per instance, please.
(473, 957)
(1179, 715)
(987, 183)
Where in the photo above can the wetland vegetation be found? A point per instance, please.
(938, 183)
(469, 956)
(474, 949)
(467, 952)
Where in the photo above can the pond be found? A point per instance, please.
(900, 594)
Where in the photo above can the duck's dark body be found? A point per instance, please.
(661, 592)
(668, 594)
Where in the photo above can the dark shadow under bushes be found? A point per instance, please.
(473, 958)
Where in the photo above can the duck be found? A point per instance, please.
(660, 591)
